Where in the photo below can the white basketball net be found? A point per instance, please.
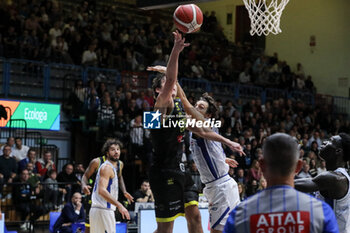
(265, 17)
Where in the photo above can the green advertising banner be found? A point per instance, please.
(37, 115)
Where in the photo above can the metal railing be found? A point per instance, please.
(44, 197)
(56, 81)
(34, 79)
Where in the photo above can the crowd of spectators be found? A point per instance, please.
(29, 179)
(90, 35)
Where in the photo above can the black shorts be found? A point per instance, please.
(173, 191)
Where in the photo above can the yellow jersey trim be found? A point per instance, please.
(169, 219)
(191, 203)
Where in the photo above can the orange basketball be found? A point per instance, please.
(188, 18)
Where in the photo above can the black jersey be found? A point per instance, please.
(168, 141)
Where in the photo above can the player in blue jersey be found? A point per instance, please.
(334, 184)
(221, 190)
(281, 208)
(105, 192)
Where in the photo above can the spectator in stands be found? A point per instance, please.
(89, 57)
(67, 176)
(322, 168)
(8, 167)
(45, 165)
(79, 171)
(240, 178)
(10, 42)
(23, 199)
(262, 183)
(136, 139)
(76, 49)
(150, 99)
(241, 190)
(305, 171)
(300, 70)
(314, 148)
(300, 82)
(309, 85)
(244, 77)
(55, 31)
(313, 168)
(73, 212)
(254, 172)
(52, 191)
(11, 142)
(197, 70)
(31, 158)
(34, 179)
(20, 151)
(144, 194)
(60, 50)
(252, 187)
(106, 117)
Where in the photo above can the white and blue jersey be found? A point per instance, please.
(220, 189)
(341, 207)
(209, 157)
(112, 188)
(282, 209)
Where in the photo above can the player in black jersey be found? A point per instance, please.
(88, 179)
(167, 175)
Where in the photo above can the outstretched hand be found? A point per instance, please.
(231, 162)
(160, 69)
(236, 147)
(128, 197)
(179, 42)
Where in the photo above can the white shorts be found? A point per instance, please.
(223, 197)
(102, 220)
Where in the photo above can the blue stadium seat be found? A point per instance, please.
(75, 227)
(6, 231)
(121, 227)
(53, 218)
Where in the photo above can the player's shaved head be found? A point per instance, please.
(280, 153)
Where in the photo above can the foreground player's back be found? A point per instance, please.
(282, 209)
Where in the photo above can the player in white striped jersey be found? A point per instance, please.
(333, 185)
(280, 208)
(105, 192)
(220, 189)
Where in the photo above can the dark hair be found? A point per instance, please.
(47, 152)
(157, 83)
(212, 108)
(280, 154)
(145, 181)
(345, 141)
(18, 138)
(30, 150)
(49, 173)
(109, 143)
(25, 169)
